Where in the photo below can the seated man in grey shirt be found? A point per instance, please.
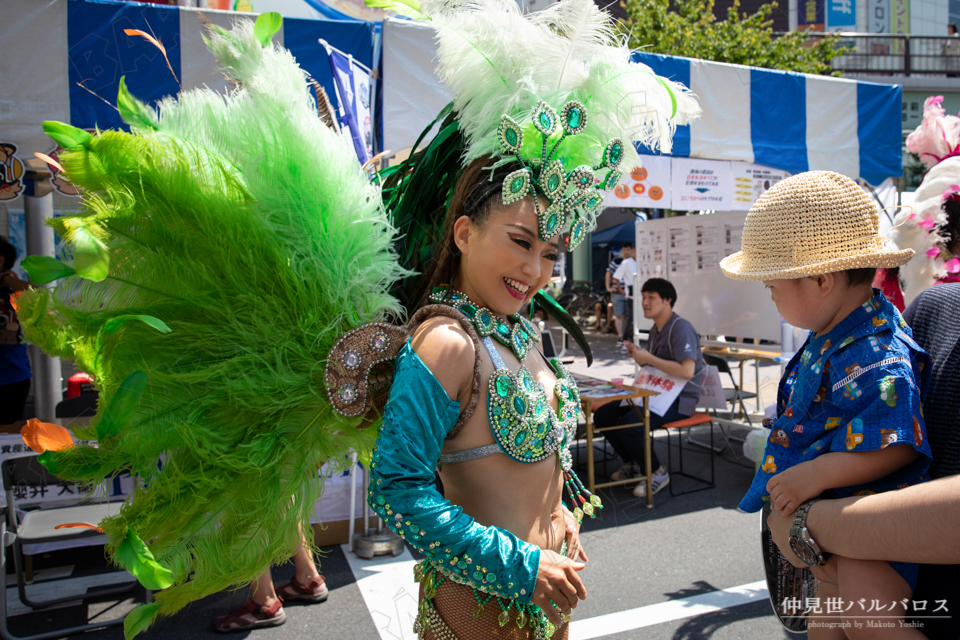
(674, 348)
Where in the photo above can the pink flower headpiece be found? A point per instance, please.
(938, 136)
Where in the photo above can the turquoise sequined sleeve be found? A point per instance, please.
(402, 491)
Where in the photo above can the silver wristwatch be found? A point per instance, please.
(801, 542)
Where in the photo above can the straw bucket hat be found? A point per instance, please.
(809, 224)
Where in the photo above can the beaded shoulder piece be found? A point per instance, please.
(359, 368)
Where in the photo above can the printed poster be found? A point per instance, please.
(750, 181)
(647, 186)
(678, 253)
(701, 185)
(668, 388)
(731, 237)
(651, 253)
(706, 247)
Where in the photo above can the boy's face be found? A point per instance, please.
(800, 302)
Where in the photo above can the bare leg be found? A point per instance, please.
(610, 323)
(263, 592)
(875, 581)
(596, 312)
(306, 569)
(824, 625)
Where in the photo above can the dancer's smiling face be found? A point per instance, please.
(503, 262)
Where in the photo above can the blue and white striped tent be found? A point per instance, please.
(55, 45)
(791, 121)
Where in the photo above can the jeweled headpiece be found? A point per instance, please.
(522, 87)
(567, 191)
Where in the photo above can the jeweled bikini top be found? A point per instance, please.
(523, 423)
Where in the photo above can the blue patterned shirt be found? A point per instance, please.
(857, 388)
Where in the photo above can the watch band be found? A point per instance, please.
(800, 525)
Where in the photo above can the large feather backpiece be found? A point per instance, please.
(225, 244)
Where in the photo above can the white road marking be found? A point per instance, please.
(387, 586)
(654, 614)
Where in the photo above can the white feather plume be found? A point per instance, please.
(496, 61)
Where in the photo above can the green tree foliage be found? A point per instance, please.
(692, 30)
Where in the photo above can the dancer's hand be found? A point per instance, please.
(558, 583)
(574, 549)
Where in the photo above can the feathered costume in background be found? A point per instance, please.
(937, 142)
(226, 245)
(230, 241)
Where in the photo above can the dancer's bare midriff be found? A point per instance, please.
(523, 498)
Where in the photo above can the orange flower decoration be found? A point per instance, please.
(43, 436)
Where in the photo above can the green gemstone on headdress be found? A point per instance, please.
(577, 232)
(613, 153)
(516, 185)
(469, 309)
(581, 178)
(549, 224)
(510, 134)
(544, 118)
(613, 177)
(553, 180)
(574, 117)
(593, 202)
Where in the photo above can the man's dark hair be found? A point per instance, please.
(856, 277)
(627, 245)
(662, 288)
(9, 253)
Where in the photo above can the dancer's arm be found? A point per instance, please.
(402, 490)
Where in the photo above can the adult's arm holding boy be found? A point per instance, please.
(915, 524)
(790, 488)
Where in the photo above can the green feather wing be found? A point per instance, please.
(244, 238)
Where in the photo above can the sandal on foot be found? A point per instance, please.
(239, 619)
(313, 591)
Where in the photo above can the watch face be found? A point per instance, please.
(804, 552)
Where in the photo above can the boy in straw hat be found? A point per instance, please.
(849, 419)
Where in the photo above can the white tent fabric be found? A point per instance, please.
(413, 96)
(790, 121)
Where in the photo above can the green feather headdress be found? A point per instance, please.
(554, 91)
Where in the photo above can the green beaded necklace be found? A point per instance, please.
(515, 332)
